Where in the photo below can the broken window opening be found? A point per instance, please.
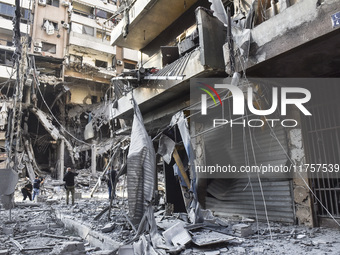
(102, 35)
(102, 14)
(83, 13)
(88, 30)
(100, 63)
(54, 3)
(74, 59)
(94, 99)
(6, 58)
(129, 65)
(50, 27)
(49, 47)
(83, 10)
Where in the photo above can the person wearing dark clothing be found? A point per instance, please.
(111, 177)
(69, 184)
(36, 186)
(27, 190)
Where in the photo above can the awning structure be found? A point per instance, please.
(173, 71)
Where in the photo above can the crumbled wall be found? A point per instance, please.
(302, 199)
(81, 94)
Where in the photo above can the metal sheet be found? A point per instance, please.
(141, 168)
(238, 199)
(8, 181)
(234, 196)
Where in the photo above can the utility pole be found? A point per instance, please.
(14, 128)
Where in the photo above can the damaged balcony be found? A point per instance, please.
(269, 49)
(170, 85)
(90, 41)
(145, 20)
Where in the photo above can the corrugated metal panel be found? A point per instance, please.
(234, 196)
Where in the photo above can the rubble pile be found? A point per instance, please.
(33, 228)
(92, 226)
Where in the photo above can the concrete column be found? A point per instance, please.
(93, 158)
(62, 157)
(302, 199)
(198, 143)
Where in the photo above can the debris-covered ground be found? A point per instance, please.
(49, 226)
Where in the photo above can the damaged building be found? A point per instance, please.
(168, 94)
(67, 71)
(261, 39)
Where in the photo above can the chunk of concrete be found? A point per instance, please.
(108, 227)
(37, 227)
(7, 231)
(106, 252)
(177, 234)
(41, 198)
(126, 250)
(242, 230)
(69, 248)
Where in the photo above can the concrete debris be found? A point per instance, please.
(108, 227)
(177, 234)
(207, 237)
(69, 248)
(242, 230)
(52, 227)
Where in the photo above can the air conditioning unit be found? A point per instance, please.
(38, 44)
(119, 62)
(42, 2)
(66, 26)
(65, 4)
(37, 49)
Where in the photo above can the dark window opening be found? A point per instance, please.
(102, 14)
(48, 47)
(100, 63)
(53, 2)
(6, 58)
(129, 65)
(94, 99)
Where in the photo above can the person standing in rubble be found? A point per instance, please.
(27, 190)
(111, 178)
(36, 186)
(69, 184)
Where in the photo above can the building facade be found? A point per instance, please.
(221, 39)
